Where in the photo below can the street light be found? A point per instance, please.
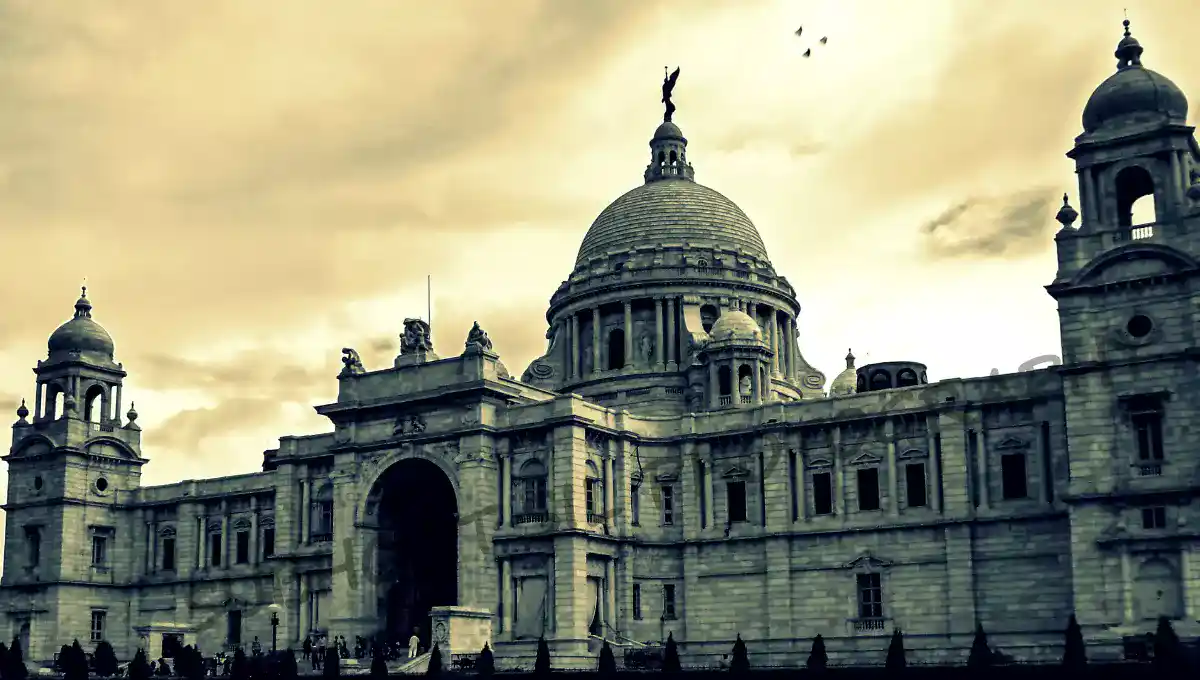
(274, 608)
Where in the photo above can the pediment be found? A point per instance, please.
(637, 477)
(1010, 443)
(866, 459)
(866, 561)
(242, 523)
(820, 463)
(735, 472)
(109, 447)
(667, 477)
(1134, 261)
(913, 453)
(36, 445)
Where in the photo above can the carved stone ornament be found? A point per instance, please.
(469, 418)
(477, 339)
(416, 337)
(409, 424)
(351, 363)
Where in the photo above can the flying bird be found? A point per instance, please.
(807, 53)
(824, 40)
(800, 31)
(808, 50)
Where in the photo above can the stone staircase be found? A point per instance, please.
(417, 666)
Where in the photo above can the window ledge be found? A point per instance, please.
(870, 626)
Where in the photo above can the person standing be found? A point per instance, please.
(308, 648)
(414, 645)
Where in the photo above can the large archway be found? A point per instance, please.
(417, 548)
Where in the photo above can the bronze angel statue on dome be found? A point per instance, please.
(667, 88)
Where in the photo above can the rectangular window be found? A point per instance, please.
(635, 503)
(594, 500)
(98, 620)
(1012, 476)
(33, 539)
(268, 542)
(1154, 518)
(868, 489)
(637, 601)
(243, 546)
(327, 517)
(1148, 427)
(668, 505)
(914, 485)
(168, 554)
(822, 493)
(233, 630)
(870, 596)
(669, 602)
(735, 496)
(535, 495)
(99, 551)
(214, 549)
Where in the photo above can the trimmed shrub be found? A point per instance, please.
(541, 666)
(1074, 652)
(741, 658)
(981, 654)
(817, 658)
(435, 662)
(607, 665)
(895, 655)
(379, 669)
(331, 667)
(485, 665)
(240, 670)
(139, 668)
(671, 656)
(1168, 652)
(106, 659)
(285, 665)
(76, 667)
(14, 662)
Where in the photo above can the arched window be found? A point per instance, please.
(616, 349)
(674, 157)
(745, 381)
(906, 378)
(93, 404)
(55, 402)
(724, 381)
(531, 485)
(322, 514)
(594, 493)
(1135, 197)
(881, 380)
(708, 313)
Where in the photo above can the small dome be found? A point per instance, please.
(668, 130)
(1134, 93)
(846, 382)
(735, 325)
(81, 335)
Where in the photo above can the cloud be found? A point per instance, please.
(1016, 225)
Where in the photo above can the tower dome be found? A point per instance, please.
(846, 382)
(1134, 94)
(670, 207)
(735, 325)
(81, 336)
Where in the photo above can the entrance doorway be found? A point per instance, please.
(417, 548)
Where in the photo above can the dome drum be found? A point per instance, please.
(890, 375)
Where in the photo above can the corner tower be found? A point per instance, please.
(1127, 293)
(68, 467)
(655, 271)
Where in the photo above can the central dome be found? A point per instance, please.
(1134, 94)
(671, 211)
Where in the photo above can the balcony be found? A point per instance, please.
(869, 625)
(725, 400)
(531, 518)
(595, 517)
(1149, 468)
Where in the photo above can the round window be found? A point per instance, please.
(102, 485)
(37, 483)
(1139, 326)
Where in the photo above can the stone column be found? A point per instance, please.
(658, 333)
(1177, 187)
(756, 385)
(202, 541)
(574, 345)
(609, 488)
(798, 479)
(506, 598)
(305, 516)
(672, 333)
(838, 490)
(981, 468)
(1126, 585)
(346, 562)
(610, 596)
(629, 362)
(735, 384)
(892, 469)
(709, 511)
(308, 510)
(254, 530)
(506, 483)
(37, 401)
(305, 606)
(789, 344)
(1092, 216)
(714, 385)
(595, 340)
(934, 483)
(225, 534)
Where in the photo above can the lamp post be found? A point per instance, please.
(274, 608)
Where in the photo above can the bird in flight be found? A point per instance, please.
(808, 51)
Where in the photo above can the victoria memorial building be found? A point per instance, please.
(672, 465)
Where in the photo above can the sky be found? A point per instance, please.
(248, 187)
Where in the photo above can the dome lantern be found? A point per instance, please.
(81, 336)
(1134, 94)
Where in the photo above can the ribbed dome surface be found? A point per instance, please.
(672, 210)
(1134, 90)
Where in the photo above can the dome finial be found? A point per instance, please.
(849, 359)
(22, 411)
(83, 308)
(1129, 51)
(1066, 214)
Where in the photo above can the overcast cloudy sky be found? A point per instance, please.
(248, 187)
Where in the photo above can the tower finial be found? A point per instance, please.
(1129, 51)
(83, 308)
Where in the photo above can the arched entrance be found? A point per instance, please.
(417, 547)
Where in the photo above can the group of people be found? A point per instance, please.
(316, 647)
